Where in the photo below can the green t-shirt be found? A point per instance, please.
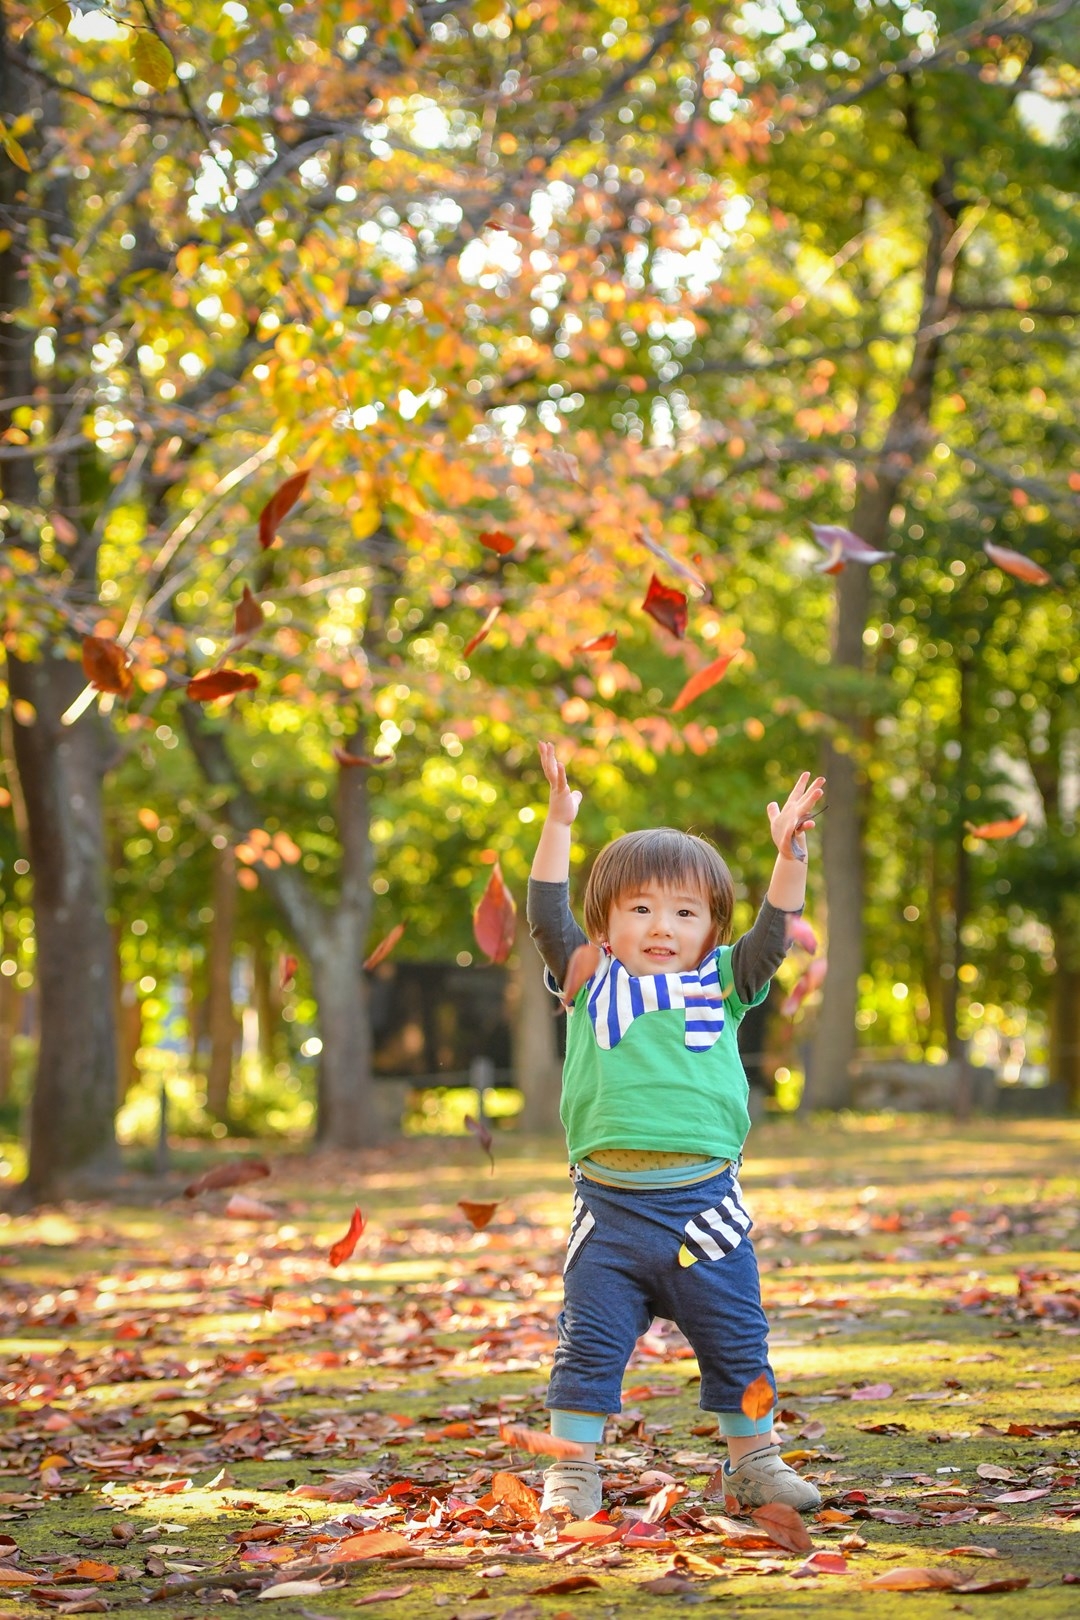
(650, 1091)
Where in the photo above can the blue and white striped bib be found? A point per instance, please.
(615, 998)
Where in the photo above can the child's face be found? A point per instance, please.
(661, 930)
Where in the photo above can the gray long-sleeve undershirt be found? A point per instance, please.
(755, 956)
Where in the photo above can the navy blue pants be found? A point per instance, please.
(683, 1253)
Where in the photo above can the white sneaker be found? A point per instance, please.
(574, 1488)
(764, 1477)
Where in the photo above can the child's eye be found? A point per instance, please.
(685, 911)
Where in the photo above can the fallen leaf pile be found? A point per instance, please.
(305, 1405)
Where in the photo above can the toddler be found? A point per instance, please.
(654, 1103)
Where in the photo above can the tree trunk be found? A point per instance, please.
(537, 1066)
(347, 1116)
(829, 1083)
(1065, 1028)
(964, 1082)
(72, 1139)
(10, 1003)
(267, 1003)
(221, 1019)
(334, 941)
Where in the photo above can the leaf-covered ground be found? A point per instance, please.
(197, 1408)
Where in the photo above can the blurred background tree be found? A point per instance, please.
(528, 290)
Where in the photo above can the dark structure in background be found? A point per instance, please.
(432, 1020)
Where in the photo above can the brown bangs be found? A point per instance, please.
(664, 856)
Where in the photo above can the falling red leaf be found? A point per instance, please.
(287, 972)
(248, 616)
(496, 540)
(997, 829)
(342, 1249)
(602, 643)
(348, 760)
(495, 918)
(477, 1215)
(783, 1525)
(385, 946)
(811, 980)
(799, 932)
(758, 1398)
(1015, 563)
(480, 1129)
(106, 666)
(235, 1173)
(667, 606)
(216, 683)
(481, 634)
(835, 539)
(701, 682)
(281, 501)
(583, 963)
(537, 1443)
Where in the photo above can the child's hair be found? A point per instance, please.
(658, 855)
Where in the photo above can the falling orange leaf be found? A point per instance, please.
(345, 1246)
(477, 1215)
(481, 635)
(282, 501)
(758, 1398)
(603, 643)
(287, 972)
(1015, 563)
(495, 917)
(701, 682)
(537, 1443)
(385, 946)
(106, 666)
(496, 540)
(997, 829)
(217, 683)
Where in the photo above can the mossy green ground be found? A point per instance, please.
(909, 1252)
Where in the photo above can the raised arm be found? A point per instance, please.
(789, 827)
(551, 863)
(551, 921)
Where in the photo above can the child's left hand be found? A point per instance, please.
(788, 825)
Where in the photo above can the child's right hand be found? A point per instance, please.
(563, 804)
